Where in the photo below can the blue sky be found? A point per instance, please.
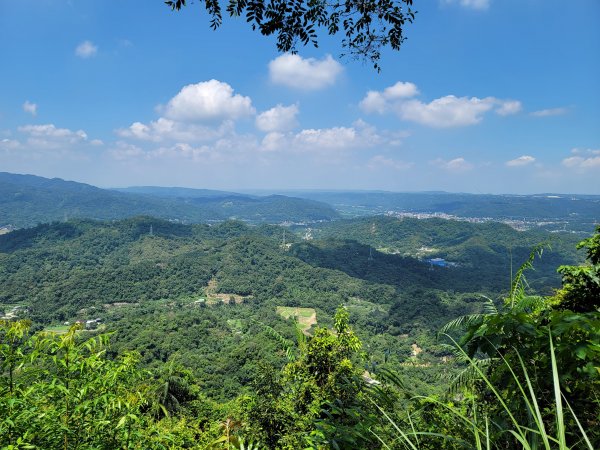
(486, 96)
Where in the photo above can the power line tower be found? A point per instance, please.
(371, 247)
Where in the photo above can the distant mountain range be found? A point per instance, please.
(26, 200)
(577, 212)
(180, 192)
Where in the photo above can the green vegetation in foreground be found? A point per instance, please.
(530, 380)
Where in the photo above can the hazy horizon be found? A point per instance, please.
(284, 191)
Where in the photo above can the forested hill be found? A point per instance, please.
(474, 245)
(83, 269)
(210, 308)
(26, 200)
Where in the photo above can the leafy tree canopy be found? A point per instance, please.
(367, 25)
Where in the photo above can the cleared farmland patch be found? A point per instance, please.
(306, 317)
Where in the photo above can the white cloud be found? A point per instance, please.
(379, 161)
(124, 150)
(166, 129)
(208, 100)
(582, 163)
(278, 118)
(9, 144)
(584, 159)
(304, 73)
(448, 111)
(326, 138)
(30, 108)
(50, 131)
(400, 90)
(378, 102)
(585, 151)
(471, 4)
(444, 112)
(203, 111)
(374, 101)
(508, 107)
(521, 161)
(453, 165)
(231, 149)
(359, 135)
(273, 142)
(39, 139)
(550, 112)
(86, 49)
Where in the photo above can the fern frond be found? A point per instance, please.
(519, 282)
(469, 374)
(530, 303)
(489, 307)
(392, 377)
(461, 322)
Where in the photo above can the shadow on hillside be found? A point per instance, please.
(361, 261)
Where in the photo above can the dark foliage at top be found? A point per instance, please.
(367, 26)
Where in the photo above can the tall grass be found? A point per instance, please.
(543, 428)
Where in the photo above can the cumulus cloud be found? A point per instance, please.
(30, 108)
(521, 161)
(444, 112)
(199, 112)
(208, 100)
(380, 161)
(166, 129)
(359, 135)
(508, 107)
(304, 73)
(471, 4)
(550, 112)
(580, 162)
(453, 165)
(278, 118)
(49, 137)
(376, 101)
(583, 159)
(326, 138)
(86, 50)
(233, 149)
(52, 132)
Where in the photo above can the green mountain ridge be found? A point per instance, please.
(26, 200)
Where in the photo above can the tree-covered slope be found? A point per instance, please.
(484, 251)
(200, 292)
